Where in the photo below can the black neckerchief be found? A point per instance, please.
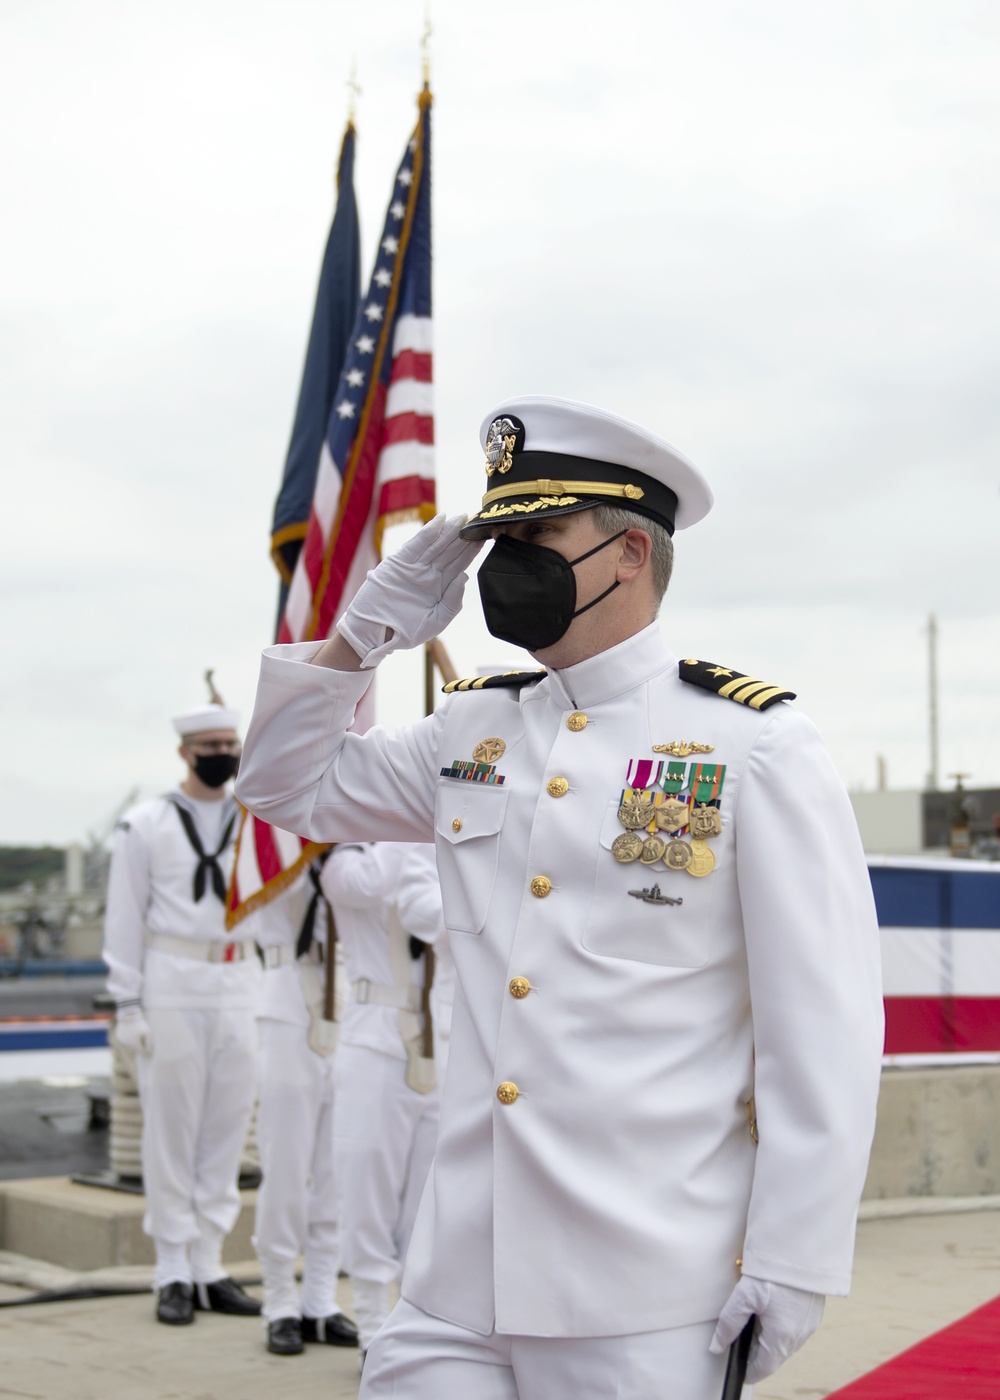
(207, 864)
(306, 933)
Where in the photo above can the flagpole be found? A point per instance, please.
(354, 89)
(435, 656)
(425, 46)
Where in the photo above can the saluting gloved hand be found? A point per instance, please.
(412, 595)
(786, 1318)
(132, 1031)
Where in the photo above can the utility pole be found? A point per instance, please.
(932, 776)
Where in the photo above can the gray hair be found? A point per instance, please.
(611, 519)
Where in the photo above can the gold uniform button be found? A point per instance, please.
(576, 721)
(457, 824)
(507, 1092)
(519, 987)
(557, 787)
(540, 886)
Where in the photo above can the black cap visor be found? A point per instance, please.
(551, 483)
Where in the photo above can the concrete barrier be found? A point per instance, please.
(938, 1133)
(85, 1227)
(938, 1136)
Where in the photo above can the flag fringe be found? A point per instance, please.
(275, 886)
(424, 512)
(286, 535)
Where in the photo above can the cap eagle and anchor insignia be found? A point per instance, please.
(733, 685)
(504, 437)
(508, 678)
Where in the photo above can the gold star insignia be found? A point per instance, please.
(718, 671)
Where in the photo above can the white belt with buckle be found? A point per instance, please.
(278, 955)
(200, 950)
(368, 993)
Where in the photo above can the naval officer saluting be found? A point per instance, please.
(667, 1027)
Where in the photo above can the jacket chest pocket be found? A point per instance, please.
(623, 924)
(468, 821)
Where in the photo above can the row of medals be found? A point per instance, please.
(695, 856)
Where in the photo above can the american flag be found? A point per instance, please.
(376, 464)
(337, 298)
(376, 468)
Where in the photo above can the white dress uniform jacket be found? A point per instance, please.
(150, 892)
(615, 1193)
(363, 884)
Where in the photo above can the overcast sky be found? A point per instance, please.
(768, 231)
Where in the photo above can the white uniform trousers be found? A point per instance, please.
(383, 1145)
(418, 1357)
(197, 1091)
(296, 1201)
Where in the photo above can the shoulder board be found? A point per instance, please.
(509, 678)
(733, 685)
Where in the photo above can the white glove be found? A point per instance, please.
(412, 595)
(132, 1031)
(786, 1318)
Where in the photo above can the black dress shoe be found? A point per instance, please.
(175, 1304)
(284, 1336)
(225, 1296)
(337, 1330)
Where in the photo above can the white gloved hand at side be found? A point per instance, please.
(412, 595)
(132, 1031)
(786, 1318)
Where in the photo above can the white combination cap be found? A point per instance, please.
(205, 717)
(548, 456)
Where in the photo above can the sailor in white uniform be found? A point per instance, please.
(386, 901)
(667, 1030)
(186, 996)
(297, 1198)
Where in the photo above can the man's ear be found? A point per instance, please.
(637, 549)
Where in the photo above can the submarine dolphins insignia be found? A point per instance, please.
(683, 748)
(653, 896)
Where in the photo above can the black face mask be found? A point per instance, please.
(215, 769)
(529, 592)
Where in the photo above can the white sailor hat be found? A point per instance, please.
(548, 456)
(205, 717)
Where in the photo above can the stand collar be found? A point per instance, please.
(613, 672)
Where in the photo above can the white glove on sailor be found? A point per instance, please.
(412, 595)
(132, 1031)
(786, 1318)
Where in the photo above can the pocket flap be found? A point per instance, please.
(466, 810)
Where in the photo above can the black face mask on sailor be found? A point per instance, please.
(528, 592)
(215, 769)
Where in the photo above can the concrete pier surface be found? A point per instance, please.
(913, 1275)
(920, 1266)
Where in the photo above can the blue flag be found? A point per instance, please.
(333, 319)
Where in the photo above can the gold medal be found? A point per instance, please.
(705, 822)
(652, 850)
(489, 750)
(677, 856)
(635, 812)
(671, 814)
(627, 847)
(702, 860)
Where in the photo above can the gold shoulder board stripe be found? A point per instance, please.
(733, 685)
(509, 678)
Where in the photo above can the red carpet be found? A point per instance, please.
(960, 1363)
